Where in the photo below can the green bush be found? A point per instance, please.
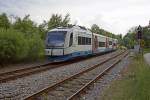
(36, 47)
(13, 45)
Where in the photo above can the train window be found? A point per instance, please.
(110, 42)
(84, 41)
(56, 38)
(101, 44)
(71, 39)
(88, 41)
(79, 40)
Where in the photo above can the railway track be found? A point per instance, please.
(69, 88)
(4, 77)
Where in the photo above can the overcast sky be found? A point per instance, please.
(116, 16)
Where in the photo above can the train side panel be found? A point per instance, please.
(82, 43)
(101, 42)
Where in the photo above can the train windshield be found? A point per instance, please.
(56, 38)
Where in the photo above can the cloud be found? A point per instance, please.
(116, 16)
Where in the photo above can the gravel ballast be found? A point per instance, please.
(98, 88)
(23, 87)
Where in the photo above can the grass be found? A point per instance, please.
(146, 50)
(134, 85)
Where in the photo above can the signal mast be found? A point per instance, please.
(139, 37)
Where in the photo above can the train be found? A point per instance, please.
(65, 43)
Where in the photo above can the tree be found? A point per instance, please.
(95, 28)
(146, 36)
(66, 20)
(56, 20)
(119, 38)
(33, 34)
(25, 25)
(130, 39)
(13, 45)
(4, 21)
(42, 28)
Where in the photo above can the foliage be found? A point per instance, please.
(33, 35)
(42, 29)
(146, 50)
(146, 36)
(21, 40)
(56, 20)
(130, 39)
(4, 22)
(96, 29)
(36, 45)
(13, 45)
(25, 25)
(66, 20)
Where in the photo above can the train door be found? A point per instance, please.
(94, 44)
(113, 44)
(107, 43)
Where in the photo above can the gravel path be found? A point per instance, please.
(96, 91)
(22, 87)
(147, 58)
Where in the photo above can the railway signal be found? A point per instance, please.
(139, 38)
(139, 32)
(139, 35)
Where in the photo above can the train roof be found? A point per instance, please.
(99, 35)
(70, 28)
(80, 28)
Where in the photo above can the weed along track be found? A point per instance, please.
(4, 77)
(72, 86)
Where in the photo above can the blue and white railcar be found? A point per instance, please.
(66, 43)
(62, 43)
(99, 43)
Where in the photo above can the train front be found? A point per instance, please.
(55, 45)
